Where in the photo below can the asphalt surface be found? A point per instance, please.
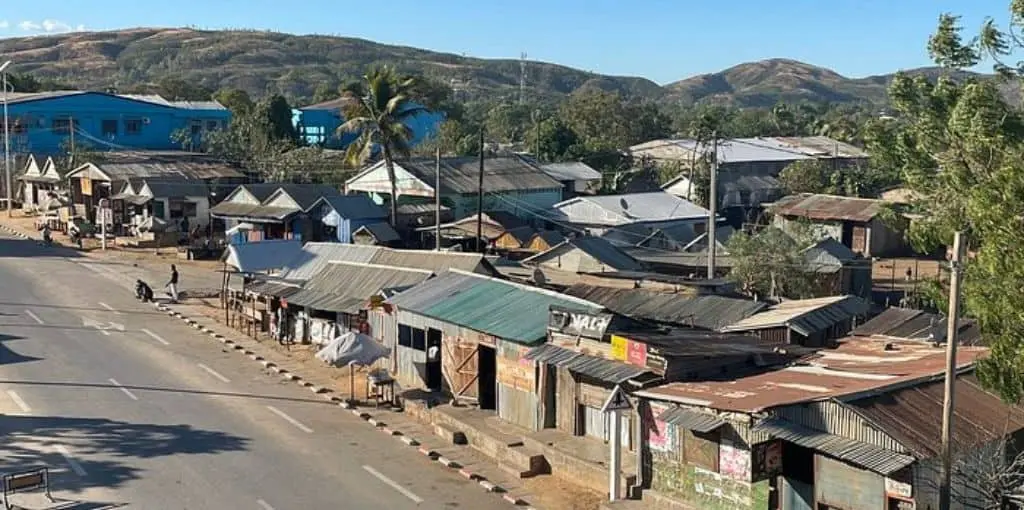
(132, 409)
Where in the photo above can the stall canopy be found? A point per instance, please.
(261, 256)
(353, 349)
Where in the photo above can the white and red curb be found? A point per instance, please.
(285, 374)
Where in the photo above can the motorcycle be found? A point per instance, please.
(47, 238)
(76, 236)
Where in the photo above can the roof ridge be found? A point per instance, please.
(525, 287)
(381, 266)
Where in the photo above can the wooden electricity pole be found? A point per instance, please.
(952, 319)
(712, 238)
(437, 200)
(480, 199)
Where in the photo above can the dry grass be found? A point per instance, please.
(553, 493)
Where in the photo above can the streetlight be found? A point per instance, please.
(7, 140)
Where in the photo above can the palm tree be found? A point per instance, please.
(379, 109)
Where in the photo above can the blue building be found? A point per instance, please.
(318, 125)
(336, 218)
(41, 123)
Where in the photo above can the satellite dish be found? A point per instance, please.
(624, 204)
(420, 221)
(539, 278)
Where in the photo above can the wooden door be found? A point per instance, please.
(460, 367)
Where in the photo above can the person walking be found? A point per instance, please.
(172, 285)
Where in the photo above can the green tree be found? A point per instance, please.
(325, 92)
(553, 140)
(605, 121)
(770, 263)
(178, 89)
(961, 147)
(807, 176)
(236, 100)
(382, 105)
(277, 115)
(508, 123)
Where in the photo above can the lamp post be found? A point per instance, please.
(7, 141)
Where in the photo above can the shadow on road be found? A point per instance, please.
(22, 248)
(71, 384)
(8, 356)
(101, 447)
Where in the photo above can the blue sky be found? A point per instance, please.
(664, 40)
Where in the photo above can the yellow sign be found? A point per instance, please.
(619, 347)
(86, 186)
(376, 301)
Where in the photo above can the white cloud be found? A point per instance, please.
(49, 26)
(4, 23)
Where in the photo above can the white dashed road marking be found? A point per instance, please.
(123, 389)
(156, 337)
(19, 402)
(394, 485)
(75, 466)
(214, 373)
(108, 307)
(34, 317)
(264, 505)
(291, 420)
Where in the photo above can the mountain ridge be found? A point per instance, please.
(263, 62)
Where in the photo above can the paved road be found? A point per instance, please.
(130, 407)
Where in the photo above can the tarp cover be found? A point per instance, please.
(353, 348)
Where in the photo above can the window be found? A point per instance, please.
(132, 126)
(404, 335)
(108, 127)
(158, 209)
(182, 209)
(63, 126)
(419, 339)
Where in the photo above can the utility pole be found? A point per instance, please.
(480, 199)
(712, 237)
(437, 200)
(7, 147)
(536, 134)
(71, 157)
(955, 274)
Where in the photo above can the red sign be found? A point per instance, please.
(636, 353)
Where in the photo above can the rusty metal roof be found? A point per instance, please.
(708, 312)
(911, 324)
(816, 206)
(855, 367)
(691, 420)
(868, 456)
(913, 415)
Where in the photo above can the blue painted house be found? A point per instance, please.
(41, 123)
(336, 218)
(318, 125)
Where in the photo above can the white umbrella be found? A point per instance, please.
(244, 226)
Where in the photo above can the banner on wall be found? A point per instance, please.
(659, 436)
(619, 348)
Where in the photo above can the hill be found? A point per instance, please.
(295, 65)
(266, 62)
(768, 82)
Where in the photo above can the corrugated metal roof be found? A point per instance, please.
(261, 256)
(828, 256)
(741, 150)
(313, 259)
(276, 288)
(913, 415)
(691, 420)
(435, 261)
(460, 175)
(120, 166)
(348, 286)
(610, 371)
(499, 308)
(359, 207)
(636, 207)
(805, 316)
(868, 456)
(250, 212)
(708, 312)
(856, 366)
(420, 208)
(550, 237)
(828, 207)
(305, 194)
(551, 354)
(599, 249)
(571, 171)
(918, 325)
(382, 232)
(177, 188)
